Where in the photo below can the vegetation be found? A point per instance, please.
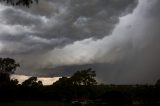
(8, 65)
(26, 3)
(79, 89)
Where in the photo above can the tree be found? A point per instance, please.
(63, 88)
(14, 82)
(158, 82)
(32, 81)
(63, 81)
(77, 86)
(7, 67)
(26, 3)
(84, 77)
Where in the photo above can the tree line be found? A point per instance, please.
(25, 3)
(78, 88)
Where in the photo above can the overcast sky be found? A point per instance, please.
(119, 39)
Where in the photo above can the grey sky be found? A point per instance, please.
(117, 38)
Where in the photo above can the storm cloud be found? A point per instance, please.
(117, 38)
(56, 23)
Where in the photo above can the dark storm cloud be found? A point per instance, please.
(71, 20)
(19, 17)
(78, 20)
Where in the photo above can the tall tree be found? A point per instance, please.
(84, 77)
(26, 3)
(32, 81)
(158, 82)
(8, 65)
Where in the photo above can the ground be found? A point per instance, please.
(37, 103)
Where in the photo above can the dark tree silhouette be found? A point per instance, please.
(14, 82)
(77, 86)
(7, 85)
(26, 3)
(32, 81)
(84, 77)
(8, 65)
(158, 82)
(63, 81)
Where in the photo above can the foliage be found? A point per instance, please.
(84, 77)
(158, 82)
(4, 78)
(8, 65)
(26, 3)
(32, 81)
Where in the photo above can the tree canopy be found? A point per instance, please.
(32, 81)
(26, 3)
(8, 65)
(84, 77)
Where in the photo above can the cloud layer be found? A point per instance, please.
(55, 23)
